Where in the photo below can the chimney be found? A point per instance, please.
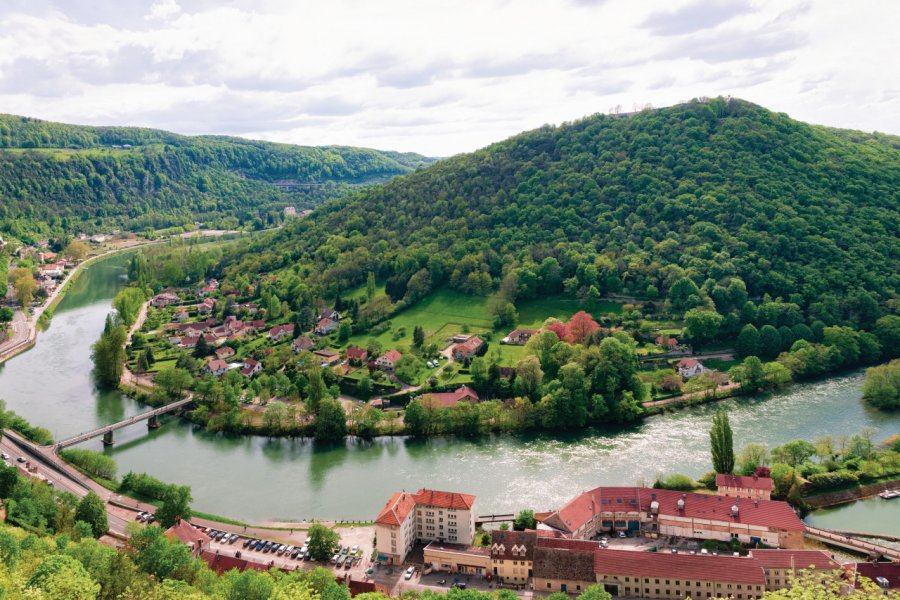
(734, 510)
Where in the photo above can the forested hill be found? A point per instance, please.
(713, 190)
(56, 177)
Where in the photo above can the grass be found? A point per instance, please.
(441, 315)
(533, 313)
(509, 355)
(719, 364)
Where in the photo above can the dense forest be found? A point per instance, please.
(709, 190)
(58, 178)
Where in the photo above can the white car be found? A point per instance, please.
(354, 550)
(4, 455)
(409, 572)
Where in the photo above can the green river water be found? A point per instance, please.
(257, 479)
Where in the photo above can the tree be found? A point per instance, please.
(769, 341)
(702, 325)
(24, 286)
(9, 476)
(6, 314)
(92, 510)
(794, 452)
(881, 388)
(315, 389)
(750, 374)
(751, 457)
(418, 336)
(684, 294)
(176, 503)
(76, 250)
(525, 520)
(370, 286)
(331, 421)
(202, 349)
(344, 331)
(580, 326)
(748, 342)
(529, 376)
(173, 381)
(887, 330)
(321, 541)
(721, 443)
(108, 353)
(61, 577)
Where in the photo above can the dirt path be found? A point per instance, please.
(702, 394)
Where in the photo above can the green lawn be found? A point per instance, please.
(442, 315)
(359, 293)
(533, 313)
(719, 364)
(509, 355)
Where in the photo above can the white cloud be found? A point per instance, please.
(437, 77)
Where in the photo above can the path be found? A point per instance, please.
(701, 394)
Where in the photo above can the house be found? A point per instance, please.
(257, 324)
(163, 300)
(206, 307)
(562, 565)
(663, 575)
(224, 352)
(330, 313)
(467, 349)
(744, 486)
(281, 331)
(180, 316)
(302, 343)
(54, 270)
(251, 367)
(780, 566)
(512, 556)
(174, 340)
(190, 341)
(357, 355)
(233, 324)
(189, 535)
(215, 366)
(388, 360)
(520, 337)
(427, 515)
(290, 212)
(98, 239)
(451, 399)
(211, 286)
(690, 367)
(210, 338)
(885, 575)
(666, 342)
(251, 308)
(46, 257)
(223, 563)
(457, 558)
(327, 357)
(656, 512)
(326, 326)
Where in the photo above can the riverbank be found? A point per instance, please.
(845, 496)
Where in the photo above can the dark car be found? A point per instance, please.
(295, 552)
(268, 547)
(260, 545)
(247, 542)
(459, 584)
(348, 563)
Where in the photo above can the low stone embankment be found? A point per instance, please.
(851, 494)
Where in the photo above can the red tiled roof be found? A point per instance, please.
(744, 481)
(397, 509)
(679, 566)
(469, 346)
(798, 559)
(889, 571)
(687, 363)
(217, 365)
(445, 499)
(222, 563)
(187, 533)
(451, 399)
(566, 544)
(392, 355)
(357, 353)
(224, 351)
(766, 513)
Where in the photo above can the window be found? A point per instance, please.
(548, 584)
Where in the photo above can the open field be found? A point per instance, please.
(533, 313)
(442, 315)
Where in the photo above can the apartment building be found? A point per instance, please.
(744, 486)
(425, 516)
(512, 556)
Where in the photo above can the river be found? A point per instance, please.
(258, 479)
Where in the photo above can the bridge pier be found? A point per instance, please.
(108, 438)
(153, 422)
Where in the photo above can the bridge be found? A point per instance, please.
(845, 542)
(151, 416)
(481, 520)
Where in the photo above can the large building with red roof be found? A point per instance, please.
(654, 512)
(427, 515)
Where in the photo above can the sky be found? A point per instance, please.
(439, 77)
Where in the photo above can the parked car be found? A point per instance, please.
(622, 535)
(268, 547)
(335, 558)
(260, 544)
(459, 584)
(410, 572)
(340, 561)
(233, 538)
(295, 552)
(247, 542)
(348, 563)
(151, 518)
(345, 550)
(4, 455)
(304, 549)
(354, 550)
(20, 459)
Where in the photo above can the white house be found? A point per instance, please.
(690, 367)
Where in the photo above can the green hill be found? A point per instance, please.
(58, 178)
(709, 189)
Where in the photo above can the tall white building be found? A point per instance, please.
(425, 516)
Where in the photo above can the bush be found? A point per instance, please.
(144, 485)
(676, 481)
(834, 479)
(91, 462)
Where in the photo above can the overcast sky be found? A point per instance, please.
(438, 77)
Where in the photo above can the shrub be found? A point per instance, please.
(676, 481)
(93, 463)
(834, 479)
